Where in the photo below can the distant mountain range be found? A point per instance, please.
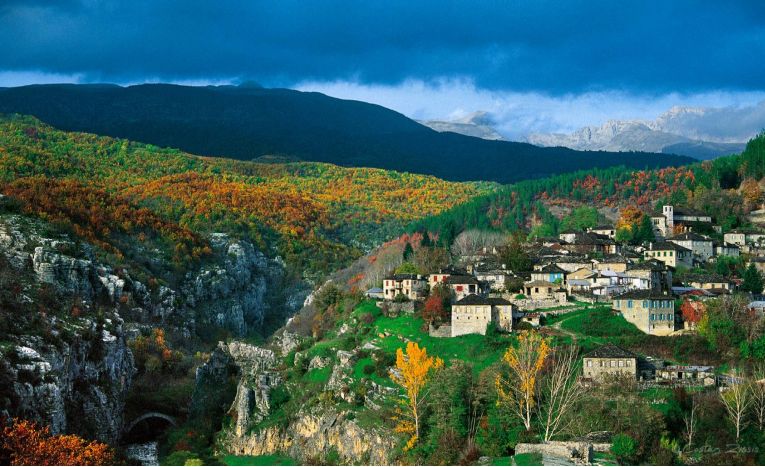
(478, 124)
(672, 133)
(248, 122)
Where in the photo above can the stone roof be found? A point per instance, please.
(690, 236)
(590, 238)
(680, 212)
(603, 227)
(539, 283)
(704, 278)
(649, 265)
(658, 246)
(460, 279)
(610, 351)
(644, 295)
(552, 268)
(452, 270)
(474, 299)
(611, 259)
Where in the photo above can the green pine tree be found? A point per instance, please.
(408, 251)
(426, 241)
(752, 280)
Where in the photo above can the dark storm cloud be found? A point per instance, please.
(548, 46)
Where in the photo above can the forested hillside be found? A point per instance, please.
(249, 122)
(316, 216)
(528, 204)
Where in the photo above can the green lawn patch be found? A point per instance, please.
(481, 351)
(359, 373)
(367, 306)
(501, 460)
(552, 319)
(530, 458)
(273, 459)
(319, 375)
(599, 322)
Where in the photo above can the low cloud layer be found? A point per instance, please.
(727, 116)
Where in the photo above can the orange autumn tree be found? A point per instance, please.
(413, 371)
(692, 311)
(524, 362)
(629, 216)
(24, 443)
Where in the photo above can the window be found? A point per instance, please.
(670, 317)
(671, 253)
(621, 363)
(629, 362)
(589, 363)
(613, 363)
(629, 303)
(645, 303)
(661, 317)
(653, 317)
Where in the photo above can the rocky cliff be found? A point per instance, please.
(77, 386)
(65, 359)
(318, 432)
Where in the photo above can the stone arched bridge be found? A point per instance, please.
(148, 415)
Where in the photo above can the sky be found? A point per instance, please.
(535, 66)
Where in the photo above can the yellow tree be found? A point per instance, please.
(524, 362)
(413, 370)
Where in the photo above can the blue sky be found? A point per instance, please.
(538, 65)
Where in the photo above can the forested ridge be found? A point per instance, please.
(246, 122)
(317, 216)
(704, 185)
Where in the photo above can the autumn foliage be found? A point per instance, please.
(630, 216)
(96, 215)
(413, 370)
(692, 311)
(25, 443)
(311, 212)
(435, 308)
(518, 389)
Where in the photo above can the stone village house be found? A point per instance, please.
(672, 220)
(413, 286)
(610, 361)
(671, 254)
(473, 314)
(651, 312)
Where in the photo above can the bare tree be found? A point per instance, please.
(386, 259)
(758, 395)
(690, 422)
(472, 242)
(560, 391)
(737, 399)
(430, 260)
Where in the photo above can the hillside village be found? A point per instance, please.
(657, 286)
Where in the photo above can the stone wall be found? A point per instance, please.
(444, 330)
(471, 319)
(574, 451)
(396, 308)
(535, 304)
